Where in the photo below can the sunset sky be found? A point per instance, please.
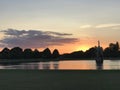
(67, 25)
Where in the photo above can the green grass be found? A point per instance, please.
(59, 80)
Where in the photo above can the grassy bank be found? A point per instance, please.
(59, 80)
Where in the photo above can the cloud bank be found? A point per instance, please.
(34, 38)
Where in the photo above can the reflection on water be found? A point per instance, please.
(49, 65)
(46, 65)
(99, 67)
(67, 65)
(40, 65)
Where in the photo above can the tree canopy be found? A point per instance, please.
(112, 51)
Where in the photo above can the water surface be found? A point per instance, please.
(67, 65)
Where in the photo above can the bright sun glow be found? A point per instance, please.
(83, 48)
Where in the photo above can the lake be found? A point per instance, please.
(67, 65)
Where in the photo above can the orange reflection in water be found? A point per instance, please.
(76, 65)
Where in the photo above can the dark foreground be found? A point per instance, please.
(59, 80)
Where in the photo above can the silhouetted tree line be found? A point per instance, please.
(112, 51)
(89, 54)
(19, 53)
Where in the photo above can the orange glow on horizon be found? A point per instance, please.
(83, 48)
(69, 48)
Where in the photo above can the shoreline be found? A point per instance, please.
(19, 61)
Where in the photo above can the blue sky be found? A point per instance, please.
(88, 20)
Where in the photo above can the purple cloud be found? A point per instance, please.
(34, 38)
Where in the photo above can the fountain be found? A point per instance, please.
(99, 55)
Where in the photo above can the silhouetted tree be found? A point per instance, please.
(55, 54)
(107, 52)
(28, 53)
(77, 54)
(91, 53)
(16, 53)
(37, 54)
(46, 53)
(114, 47)
(5, 53)
(112, 50)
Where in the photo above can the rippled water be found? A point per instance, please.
(67, 65)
